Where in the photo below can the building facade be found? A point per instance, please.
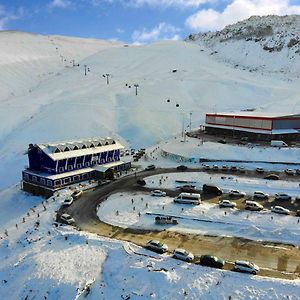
(265, 126)
(53, 166)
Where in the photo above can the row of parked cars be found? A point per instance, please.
(205, 260)
(224, 168)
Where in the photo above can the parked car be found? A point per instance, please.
(162, 220)
(241, 169)
(236, 193)
(280, 210)
(298, 213)
(260, 170)
(233, 168)
(67, 219)
(141, 182)
(215, 167)
(222, 141)
(272, 177)
(260, 195)
(211, 189)
(212, 261)
(158, 193)
(182, 168)
(225, 168)
(227, 203)
(298, 171)
(254, 206)
(289, 171)
(188, 189)
(206, 167)
(182, 254)
(68, 201)
(150, 167)
(157, 246)
(76, 194)
(246, 267)
(282, 196)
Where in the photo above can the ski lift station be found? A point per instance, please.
(53, 166)
(257, 125)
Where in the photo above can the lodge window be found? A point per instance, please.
(61, 169)
(87, 164)
(78, 166)
(57, 182)
(34, 178)
(84, 176)
(70, 168)
(26, 176)
(43, 181)
(67, 180)
(75, 178)
(49, 182)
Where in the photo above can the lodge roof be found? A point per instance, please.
(75, 148)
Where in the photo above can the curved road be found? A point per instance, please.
(276, 259)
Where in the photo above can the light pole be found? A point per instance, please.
(107, 77)
(85, 66)
(136, 88)
(191, 121)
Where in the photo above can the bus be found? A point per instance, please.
(188, 198)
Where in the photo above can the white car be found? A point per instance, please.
(225, 168)
(259, 170)
(236, 193)
(241, 169)
(67, 219)
(68, 201)
(290, 172)
(246, 267)
(280, 210)
(282, 196)
(206, 167)
(183, 255)
(157, 246)
(158, 193)
(215, 167)
(227, 203)
(260, 195)
(76, 194)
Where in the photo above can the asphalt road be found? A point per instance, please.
(276, 259)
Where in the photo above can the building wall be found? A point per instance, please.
(244, 122)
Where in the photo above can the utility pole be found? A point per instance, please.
(107, 77)
(182, 129)
(191, 121)
(85, 66)
(136, 88)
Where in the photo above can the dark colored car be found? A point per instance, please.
(222, 141)
(188, 189)
(211, 261)
(272, 177)
(211, 189)
(182, 168)
(298, 213)
(141, 182)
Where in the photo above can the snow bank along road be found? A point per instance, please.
(276, 259)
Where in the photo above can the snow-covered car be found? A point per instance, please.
(67, 219)
(236, 193)
(227, 203)
(158, 193)
(246, 267)
(225, 168)
(289, 171)
(68, 201)
(253, 206)
(260, 195)
(241, 169)
(282, 196)
(182, 254)
(298, 171)
(259, 170)
(280, 210)
(157, 246)
(206, 167)
(76, 194)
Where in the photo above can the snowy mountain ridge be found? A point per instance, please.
(268, 44)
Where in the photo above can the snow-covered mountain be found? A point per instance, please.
(66, 104)
(268, 44)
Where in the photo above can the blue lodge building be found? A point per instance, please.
(53, 166)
